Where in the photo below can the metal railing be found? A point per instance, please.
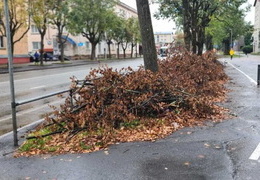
(72, 91)
(14, 105)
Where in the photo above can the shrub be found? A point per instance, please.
(247, 49)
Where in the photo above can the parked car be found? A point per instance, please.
(31, 55)
(50, 57)
(163, 51)
(66, 58)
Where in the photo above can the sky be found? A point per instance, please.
(168, 26)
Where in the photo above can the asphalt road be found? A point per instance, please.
(31, 84)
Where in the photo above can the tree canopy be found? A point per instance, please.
(19, 20)
(90, 18)
(195, 16)
(58, 18)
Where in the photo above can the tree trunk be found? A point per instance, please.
(12, 44)
(201, 40)
(186, 24)
(124, 48)
(118, 50)
(209, 43)
(136, 50)
(132, 49)
(93, 51)
(61, 52)
(109, 50)
(194, 41)
(61, 43)
(226, 43)
(149, 50)
(42, 48)
(124, 51)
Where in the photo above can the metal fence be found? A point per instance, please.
(72, 91)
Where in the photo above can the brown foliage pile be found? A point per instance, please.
(129, 105)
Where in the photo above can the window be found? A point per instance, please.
(34, 29)
(87, 45)
(1, 42)
(36, 45)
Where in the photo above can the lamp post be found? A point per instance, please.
(10, 68)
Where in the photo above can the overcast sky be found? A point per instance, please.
(165, 25)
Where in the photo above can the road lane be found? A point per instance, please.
(31, 84)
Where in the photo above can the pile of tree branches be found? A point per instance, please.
(110, 105)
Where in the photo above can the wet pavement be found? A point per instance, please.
(218, 151)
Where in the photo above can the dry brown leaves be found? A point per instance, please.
(127, 105)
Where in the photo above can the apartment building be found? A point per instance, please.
(256, 34)
(77, 45)
(163, 39)
(20, 49)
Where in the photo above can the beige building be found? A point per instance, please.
(256, 34)
(163, 39)
(20, 49)
(77, 45)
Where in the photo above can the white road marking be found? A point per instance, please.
(256, 154)
(251, 80)
(38, 87)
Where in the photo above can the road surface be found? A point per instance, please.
(31, 84)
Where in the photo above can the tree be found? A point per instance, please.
(117, 32)
(247, 49)
(248, 34)
(90, 18)
(228, 24)
(149, 50)
(58, 17)
(196, 16)
(126, 36)
(134, 30)
(19, 20)
(109, 33)
(40, 16)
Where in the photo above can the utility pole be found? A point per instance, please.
(10, 68)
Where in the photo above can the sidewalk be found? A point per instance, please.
(216, 151)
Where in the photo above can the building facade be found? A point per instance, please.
(163, 39)
(256, 34)
(77, 46)
(20, 49)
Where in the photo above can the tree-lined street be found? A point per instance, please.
(191, 116)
